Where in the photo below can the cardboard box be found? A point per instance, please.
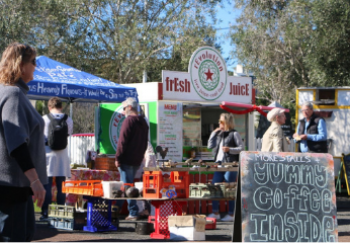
(189, 227)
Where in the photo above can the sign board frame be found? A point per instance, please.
(315, 216)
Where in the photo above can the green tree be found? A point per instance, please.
(288, 44)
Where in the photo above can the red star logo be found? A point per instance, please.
(209, 75)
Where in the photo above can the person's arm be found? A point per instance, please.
(124, 136)
(212, 138)
(322, 132)
(239, 143)
(277, 141)
(70, 125)
(36, 186)
(22, 156)
(149, 156)
(296, 134)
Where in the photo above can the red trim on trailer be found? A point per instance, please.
(241, 105)
(160, 91)
(83, 135)
(250, 108)
(253, 96)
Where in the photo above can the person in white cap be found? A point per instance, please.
(273, 139)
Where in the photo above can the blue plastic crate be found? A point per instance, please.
(99, 215)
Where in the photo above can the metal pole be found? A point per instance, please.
(70, 137)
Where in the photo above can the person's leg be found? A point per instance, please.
(30, 227)
(122, 173)
(127, 174)
(48, 198)
(61, 197)
(132, 205)
(231, 176)
(15, 222)
(218, 177)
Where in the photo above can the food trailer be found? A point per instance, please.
(333, 104)
(184, 108)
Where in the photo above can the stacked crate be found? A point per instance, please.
(66, 217)
(156, 181)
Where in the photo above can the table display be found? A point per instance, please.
(83, 174)
(167, 188)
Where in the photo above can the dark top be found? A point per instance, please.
(132, 143)
(229, 141)
(21, 139)
(313, 146)
(18, 194)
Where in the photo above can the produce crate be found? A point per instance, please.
(66, 217)
(155, 183)
(105, 163)
(83, 187)
(61, 211)
(229, 189)
(206, 190)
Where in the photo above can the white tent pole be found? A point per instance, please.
(70, 137)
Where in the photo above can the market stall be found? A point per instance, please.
(184, 108)
(52, 78)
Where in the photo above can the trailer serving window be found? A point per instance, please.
(325, 97)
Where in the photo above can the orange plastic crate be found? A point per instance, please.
(83, 187)
(154, 181)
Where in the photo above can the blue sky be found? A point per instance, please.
(227, 16)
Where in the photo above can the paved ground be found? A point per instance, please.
(126, 232)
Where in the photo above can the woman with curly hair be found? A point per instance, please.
(22, 151)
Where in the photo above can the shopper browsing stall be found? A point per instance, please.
(58, 126)
(131, 148)
(226, 144)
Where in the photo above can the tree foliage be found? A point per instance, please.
(293, 43)
(113, 39)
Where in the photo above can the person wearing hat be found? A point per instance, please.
(273, 139)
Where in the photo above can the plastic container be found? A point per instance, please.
(99, 215)
(111, 188)
(154, 182)
(66, 217)
(210, 223)
(206, 190)
(139, 185)
(83, 187)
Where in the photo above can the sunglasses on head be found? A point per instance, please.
(33, 61)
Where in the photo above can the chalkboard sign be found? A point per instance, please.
(288, 197)
(346, 168)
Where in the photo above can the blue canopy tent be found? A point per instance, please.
(52, 78)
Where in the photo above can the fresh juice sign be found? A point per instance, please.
(206, 80)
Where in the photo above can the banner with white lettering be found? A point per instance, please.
(288, 197)
(170, 129)
(52, 78)
(180, 84)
